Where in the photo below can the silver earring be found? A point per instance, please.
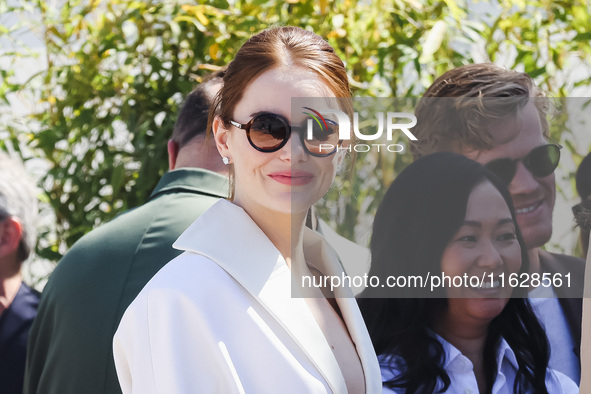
(225, 160)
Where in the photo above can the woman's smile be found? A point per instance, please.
(294, 178)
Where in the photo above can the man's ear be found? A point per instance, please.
(173, 154)
(221, 134)
(11, 232)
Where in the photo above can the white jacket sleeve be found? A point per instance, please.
(131, 350)
(166, 344)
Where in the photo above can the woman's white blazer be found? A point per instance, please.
(220, 318)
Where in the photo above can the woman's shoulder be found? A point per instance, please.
(189, 272)
(190, 286)
(189, 277)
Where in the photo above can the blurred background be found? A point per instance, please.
(89, 90)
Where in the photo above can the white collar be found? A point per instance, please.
(455, 359)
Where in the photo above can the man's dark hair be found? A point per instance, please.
(192, 120)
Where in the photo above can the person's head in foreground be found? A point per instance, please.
(446, 214)
(18, 303)
(498, 118)
(18, 216)
(273, 167)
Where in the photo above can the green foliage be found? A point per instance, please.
(116, 72)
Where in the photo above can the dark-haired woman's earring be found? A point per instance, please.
(225, 160)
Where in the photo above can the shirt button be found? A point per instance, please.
(468, 390)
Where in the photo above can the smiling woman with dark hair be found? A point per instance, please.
(448, 214)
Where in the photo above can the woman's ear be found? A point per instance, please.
(221, 135)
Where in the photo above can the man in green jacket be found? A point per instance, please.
(70, 345)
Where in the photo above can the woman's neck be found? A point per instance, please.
(284, 230)
(470, 340)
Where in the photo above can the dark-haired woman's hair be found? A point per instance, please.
(419, 215)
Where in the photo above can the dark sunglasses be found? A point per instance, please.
(540, 162)
(269, 132)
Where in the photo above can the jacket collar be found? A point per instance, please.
(504, 353)
(252, 260)
(196, 180)
(326, 259)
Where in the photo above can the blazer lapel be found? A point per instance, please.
(296, 318)
(328, 263)
(252, 260)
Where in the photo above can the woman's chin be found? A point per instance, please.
(476, 308)
(488, 308)
(290, 207)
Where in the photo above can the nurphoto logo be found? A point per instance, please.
(391, 121)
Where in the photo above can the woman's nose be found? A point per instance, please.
(293, 149)
(489, 256)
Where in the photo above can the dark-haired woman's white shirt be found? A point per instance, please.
(463, 381)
